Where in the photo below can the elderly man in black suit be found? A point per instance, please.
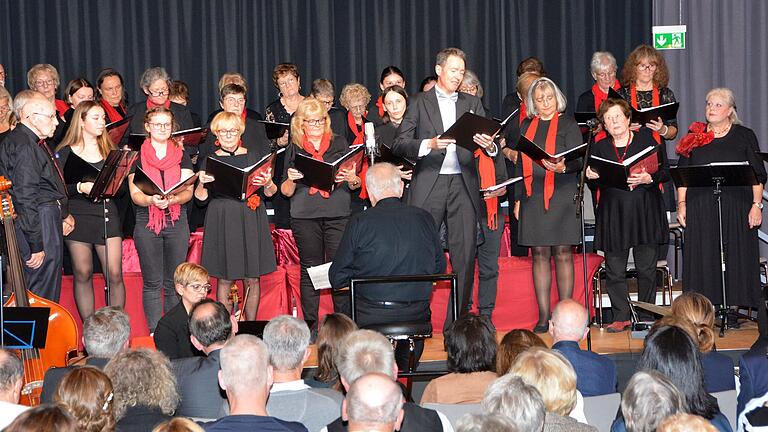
(389, 239)
(445, 180)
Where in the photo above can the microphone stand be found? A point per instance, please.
(579, 199)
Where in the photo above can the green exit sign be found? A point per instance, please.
(669, 37)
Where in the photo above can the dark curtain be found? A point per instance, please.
(342, 40)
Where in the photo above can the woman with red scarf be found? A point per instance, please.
(237, 243)
(111, 94)
(354, 98)
(318, 218)
(161, 234)
(603, 69)
(545, 207)
(722, 139)
(156, 84)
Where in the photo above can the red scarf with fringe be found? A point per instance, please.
(549, 176)
(170, 166)
(487, 171)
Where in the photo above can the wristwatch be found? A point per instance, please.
(758, 204)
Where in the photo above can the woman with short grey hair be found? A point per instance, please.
(603, 69)
(155, 82)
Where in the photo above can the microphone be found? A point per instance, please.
(370, 142)
(592, 123)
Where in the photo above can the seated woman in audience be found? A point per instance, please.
(156, 84)
(178, 424)
(172, 331)
(475, 422)
(237, 244)
(6, 111)
(512, 344)
(649, 398)
(512, 398)
(471, 346)
(45, 417)
(553, 376)
(683, 422)
(86, 393)
(391, 76)
(333, 329)
(718, 368)
(87, 139)
(161, 234)
(111, 94)
(354, 98)
(144, 388)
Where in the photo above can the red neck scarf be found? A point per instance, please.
(170, 165)
(600, 96)
(359, 132)
(325, 143)
(61, 107)
(654, 103)
(521, 115)
(380, 105)
(549, 176)
(487, 171)
(112, 114)
(698, 136)
(151, 105)
(243, 115)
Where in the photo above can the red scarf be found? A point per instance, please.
(151, 105)
(380, 105)
(549, 176)
(600, 96)
(325, 143)
(487, 171)
(112, 114)
(170, 165)
(243, 115)
(521, 115)
(61, 107)
(363, 188)
(359, 133)
(697, 136)
(654, 103)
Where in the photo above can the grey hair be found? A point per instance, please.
(153, 74)
(106, 332)
(730, 99)
(362, 352)
(512, 397)
(602, 60)
(23, 98)
(477, 422)
(39, 68)
(471, 79)
(287, 339)
(649, 398)
(379, 404)
(443, 55)
(4, 94)
(11, 369)
(544, 83)
(244, 364)
(383, 179)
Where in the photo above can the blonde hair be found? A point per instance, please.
(684, 422)
(701, 313)
(74, 136)
(353, 92)
(40, 68)
(544, 84)
(726, 94)
(142, 377)
(232, 78)
(307, 107)
(178, 424)
(225, 120)
(86, 393)
(188, 272)
(551, 374)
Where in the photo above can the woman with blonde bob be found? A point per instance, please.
(86, 393)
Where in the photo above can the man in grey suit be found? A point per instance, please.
(445, 180)
(210, 327)
(287, 340)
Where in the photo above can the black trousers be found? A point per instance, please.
(45, 280)
(616, 278)
(449, 201)
(317, 241)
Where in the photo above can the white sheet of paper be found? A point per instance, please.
(319, 276)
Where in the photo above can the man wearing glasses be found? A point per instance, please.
(38, 193)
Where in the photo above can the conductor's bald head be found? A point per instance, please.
(383, 181)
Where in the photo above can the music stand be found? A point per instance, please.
(24, 327)
(716, 175)
(107, 184)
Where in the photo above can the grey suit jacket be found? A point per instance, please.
(197, 380)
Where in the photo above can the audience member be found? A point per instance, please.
(246, 376)
(471, 346)
(178, 424)
(595, 374)
(105, 333)
(753, 374)
(512, 344)
(683, 422)
(45, 417)
(649, 398)
(86, 393)
(290, 399)
(11, 381)
(374, 403)
(511, 397)
(333, 328)
(474, 422)
(144, 387)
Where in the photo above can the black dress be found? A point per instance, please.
(701, 250)
(558, 225)
(276, 112)
(237, 242)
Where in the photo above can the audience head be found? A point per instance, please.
(156, 83)
(210, 325)
(310, 119)
(682, 422)
(142, 377)
(86, 393)
(106, 332)
(36, 112)
(192, 283)
(232, 98)
(648, 399)
(603, 69)
(391, 76)
(286, 78)
(287, 340)
(383, 181)
(324, 91)
(44, 78)
(110, 87)
(374, 402)
(570, 321)
(551, 374)
(511, 397)
(245, 369)
(721, 103)
(450, 65)
(471, 84)
(670, 351)
(89, 119)
(333, 329)
(11, 376)
(362, 352)
(545, 99)
(524, 82)
(512, 344)
(45, 417)
(645, 65)
(470, 342)
(159, 123)
(78, 90)
(232, 78)
(179, 92)
(427, 83)
(476, 422)
(178, 424)
(531, 64)
(395, 101)
(354, 98)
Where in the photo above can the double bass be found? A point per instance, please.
(62, 338)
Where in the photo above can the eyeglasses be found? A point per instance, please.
(44, 83)
(359, 108)
(49, 116)
(548, 98)
(228, 132)
(315, 122)
(160, 126)
(647, 66)
(326, 102)
(201, 288)
(232, 100)
(158, 93)
(607, 74)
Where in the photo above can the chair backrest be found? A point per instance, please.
(453, 411)
(601, 410)
(727, 402)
